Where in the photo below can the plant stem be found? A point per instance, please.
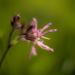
(8, 47)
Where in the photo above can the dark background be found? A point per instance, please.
(61, 13)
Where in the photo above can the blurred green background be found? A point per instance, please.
(61, 13)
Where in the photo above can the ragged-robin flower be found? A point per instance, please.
(31, 33)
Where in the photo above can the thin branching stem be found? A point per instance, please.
(8, 47)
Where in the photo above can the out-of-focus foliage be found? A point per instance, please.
(61, 13)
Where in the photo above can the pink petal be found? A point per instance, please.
(42, 40)
(33, 51)
(43, 46)
(49, 31)
(34, 19)
(45, 38)
(26, 40)
(46, 27)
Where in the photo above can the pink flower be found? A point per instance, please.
(35, 35)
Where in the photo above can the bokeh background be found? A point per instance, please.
(61, 13)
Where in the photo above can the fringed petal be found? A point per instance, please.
(46, 27)
(35, 21)
(33, 51)
(43, 46)
(45, 38)
(49, 31)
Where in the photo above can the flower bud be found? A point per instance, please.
(16, 18)
(15, 22)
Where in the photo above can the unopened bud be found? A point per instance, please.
(16, 18)
(15, 22)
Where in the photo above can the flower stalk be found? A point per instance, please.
(15, 25)
(8, 47)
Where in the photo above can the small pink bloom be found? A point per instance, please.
(35, 35)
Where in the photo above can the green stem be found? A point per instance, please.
(8, 47)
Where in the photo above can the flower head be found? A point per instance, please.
(33, 34)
